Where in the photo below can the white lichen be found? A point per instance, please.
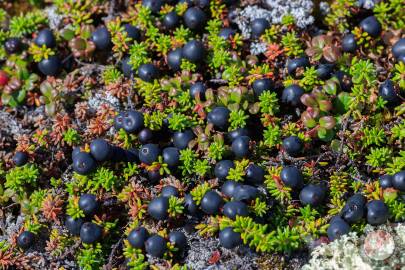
(348, 252)
(257, 48)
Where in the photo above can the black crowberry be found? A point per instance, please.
(182, 138)
(45, 37)
(89, 204)
(171, 20)
(168, 191)
(156, 246)
(261, 85)
(349, 43)
(222, 168)
(292, 145)
(211, 202)
(174, 59)
(90, 232)
(240, 146)
(255, 174)
(149, 153)
(235, 208)
(228, 238)
(194, 51)
(259, 26)
(158, 207)
(337, 228)
(371, 25)
(50, 66)
(132, 121)
(377, 212)
(297, 63)
(219, 117)
(137, 237)
(100, 149)
(20, 158)
(83, 163)
(312, 195)
(74, 225)
(291, 95)
(398, 181)
(385, 181)
(148, 72)
(245, 193)
(171, 156)
(101, 38)
(178, 239)
(292, 177)
(195, 18)
(199, 89)
(25, 239)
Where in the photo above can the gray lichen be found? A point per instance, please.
(201, 250)
(348, 252)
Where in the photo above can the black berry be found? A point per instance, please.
(132, 31)
(377, 212)
(149, 153)
(292, 145)
(178, 239)
(199, 89)
(291, 95)
(259, 26)
(222, 168)
(83, 163)
(171, 20)
(101, 38)
(228, 238)
(74, 225)
(26, 239)
(211, 202)
(190, 205)
(398, 181)
(297, 63)
(385, 181)
(371, 26)
(137, 237)
(292, 177)
(174, 59)
(261, 85)
(195, 18)
(245, 193)
(398, 49)
(349, 43)
(388, 93)
(158, 207)
(132, 121)
(312, 195)
(145, 136)
(240, 146)
(45, 37)
(89, 204)
(20, 158)
(255, 174)
(182, 138)
(219, 117)
(156, 246)
(90, 232)
(153, 5)
(100, 149)
(148, 72)
(13, 45)
(235, 208)
(228, 188)
(337, 228)
(51, 66)
(194, 51)
(171, 156)
(168, 191)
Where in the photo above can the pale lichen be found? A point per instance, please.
(348, 252)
